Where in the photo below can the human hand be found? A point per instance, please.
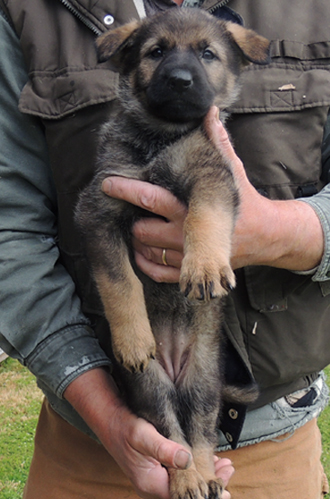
(245, 245)
(137, 447)
(283, 234)
(224, 469)
(152, 235)
(141, 452)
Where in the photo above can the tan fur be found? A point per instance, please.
(246, 38)
(207, 251)
(132, 339)
(108, 43)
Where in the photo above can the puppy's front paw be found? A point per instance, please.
(136, 353)
(202, 280)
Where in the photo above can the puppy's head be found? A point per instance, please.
(174, 66)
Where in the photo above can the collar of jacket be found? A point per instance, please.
(103, 13)
(211, 5)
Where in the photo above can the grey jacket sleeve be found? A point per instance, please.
(41, 323)
(321, 204)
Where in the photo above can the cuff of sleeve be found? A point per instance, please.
(322, 272)
(305, 272)
(64, 356)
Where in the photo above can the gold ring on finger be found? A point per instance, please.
(164, 257)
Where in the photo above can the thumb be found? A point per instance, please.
(219, 136)
(172, 455)
(167, 452)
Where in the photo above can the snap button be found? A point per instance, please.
(229, 437)
(108, 20)
(233, 413)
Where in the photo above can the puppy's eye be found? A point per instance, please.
(208, 55)
(157, 53)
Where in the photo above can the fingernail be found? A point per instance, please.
(106, 186)
(182, 459)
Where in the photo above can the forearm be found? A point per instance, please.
(321, 205)
(286, 234)
(95, 397)
(300, 245)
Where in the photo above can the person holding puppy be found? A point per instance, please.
(277, 317)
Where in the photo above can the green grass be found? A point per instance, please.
(324, 425)
(20, 402)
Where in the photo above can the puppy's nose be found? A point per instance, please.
(180, 80)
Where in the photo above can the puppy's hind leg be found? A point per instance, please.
(153, 396)
(200, 396)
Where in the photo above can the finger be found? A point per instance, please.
(156, 255)
(224, 469)
(158, 233)
(156, 272)
(148, 196)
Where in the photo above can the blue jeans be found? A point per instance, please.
(279, 417)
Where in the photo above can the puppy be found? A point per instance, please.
(167, 338)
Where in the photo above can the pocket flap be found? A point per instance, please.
(52, 96)
(297, 78)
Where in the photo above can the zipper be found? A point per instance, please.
(81, 17)
(216, 6)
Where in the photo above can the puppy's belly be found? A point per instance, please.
(173, 353)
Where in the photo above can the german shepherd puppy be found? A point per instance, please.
(166, 338)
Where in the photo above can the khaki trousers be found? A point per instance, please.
(69, 465)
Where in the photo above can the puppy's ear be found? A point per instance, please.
(112, 42)
(255, 47)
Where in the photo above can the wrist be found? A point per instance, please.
(95, 396)
(299, 234)
(282, 234)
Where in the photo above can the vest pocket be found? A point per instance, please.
(298, 77)
(277, 126)
(277, 123)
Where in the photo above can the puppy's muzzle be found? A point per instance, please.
(180, 80)
(179, 90)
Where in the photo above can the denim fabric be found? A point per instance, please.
(41, 322)
(320, 203)
(279, 418)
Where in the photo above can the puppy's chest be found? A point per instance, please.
(159, 161)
